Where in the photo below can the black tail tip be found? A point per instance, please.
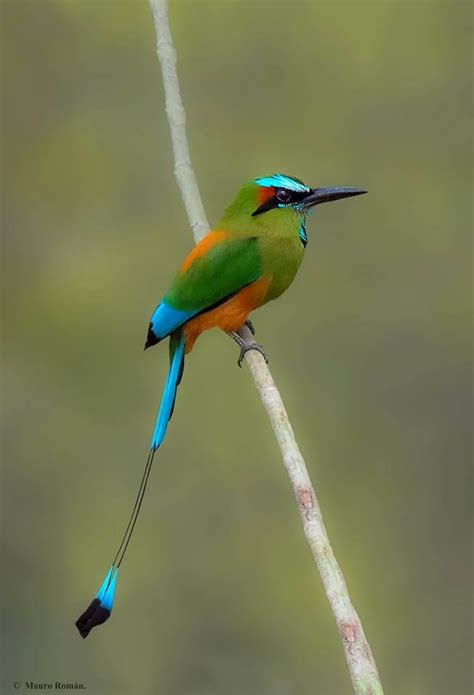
(151, 338)
(95, 614)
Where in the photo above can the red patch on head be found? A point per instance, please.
(265, 194)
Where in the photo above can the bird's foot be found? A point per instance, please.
(250, 326)
(246, 346)
(251, 346)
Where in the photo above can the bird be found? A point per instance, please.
(250, 258)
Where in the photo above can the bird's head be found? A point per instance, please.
(280, 199)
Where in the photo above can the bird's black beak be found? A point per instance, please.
(325, 195)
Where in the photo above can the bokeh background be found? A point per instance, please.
(370, 347)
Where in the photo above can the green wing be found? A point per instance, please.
(226, 268)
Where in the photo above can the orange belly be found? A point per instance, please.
(229, 316)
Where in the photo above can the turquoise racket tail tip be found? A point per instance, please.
(100, 608)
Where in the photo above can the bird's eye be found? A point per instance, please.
(283, 196)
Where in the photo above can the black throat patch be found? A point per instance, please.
(303, 235)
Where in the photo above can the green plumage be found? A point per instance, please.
(267, 244)
(224, 269)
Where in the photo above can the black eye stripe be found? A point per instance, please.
(290, 198)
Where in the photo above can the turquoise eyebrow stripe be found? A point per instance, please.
(282, 181)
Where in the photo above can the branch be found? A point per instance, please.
(360, 661)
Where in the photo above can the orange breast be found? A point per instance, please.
(231, 315)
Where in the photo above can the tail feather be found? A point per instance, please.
(100, 608)
(177, 345)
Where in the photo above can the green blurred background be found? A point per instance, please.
(370, 347)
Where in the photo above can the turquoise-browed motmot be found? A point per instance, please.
(250, 258)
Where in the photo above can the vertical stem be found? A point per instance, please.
(359, 658)
(183, 168)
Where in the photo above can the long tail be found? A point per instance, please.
(100, 608)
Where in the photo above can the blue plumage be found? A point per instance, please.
(169, 394)
(107, 598)
(105, 585)
(282, 181)
(165, 319)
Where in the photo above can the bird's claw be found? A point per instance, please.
(250, 326)
(247, 347)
